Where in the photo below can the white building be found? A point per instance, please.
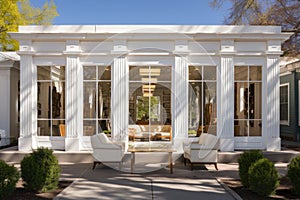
(143, 82)
(9, 104)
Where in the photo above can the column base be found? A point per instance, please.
(274, 144)
(27, 143)
(72, 144)
(226, 144)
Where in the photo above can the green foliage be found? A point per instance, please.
(192, 132)
(284, 13)
(245, 161)
(20, 12)
(9, 176)
(40, 170)
(294, 174)
(263, 177)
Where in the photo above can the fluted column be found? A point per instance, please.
(27, 104)
(180, 100)
(226, 120)
(72, 95)
(119, 99)
(271, 132)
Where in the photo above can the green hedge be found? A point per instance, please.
(40, 170)
(263, 177)
(294, 174)
(9, 176)
(245, 161)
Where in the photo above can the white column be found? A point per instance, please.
(72, 96)
(226, 100)
(119, 99)
(180, 101)
(271, 133)
(27, 104)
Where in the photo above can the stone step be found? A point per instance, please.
(15, 156)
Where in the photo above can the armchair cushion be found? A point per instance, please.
(104, 150)
(203, 152)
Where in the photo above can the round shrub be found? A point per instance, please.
(40, 170)
(9, 176)
(294, 174)
(245, 161)
(263, 177)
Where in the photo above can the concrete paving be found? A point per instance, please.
(107, 183)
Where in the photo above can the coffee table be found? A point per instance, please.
(148, 150)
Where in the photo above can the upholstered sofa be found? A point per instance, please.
(204, 151)
(152, 132)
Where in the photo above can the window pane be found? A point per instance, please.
(89, 127)
(255, 127)
(43, 73)
(55, 128)
(43, 127)
(255, 73)
(210, 106)
(58, 99)
(241, 73)
(241, 127)
(104, 125)
(241, 100)
(89, 100)
(284, 103)
(136, 73)
(89, 73)
(210, 73)
(195, 107)
(162, 73)
(57, 73)
(195, 73)
(104, 73)
(164, 92)
(44, 95)
(255, 100)
(104, 99)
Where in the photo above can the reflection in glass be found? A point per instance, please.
(104, 92)
(241, 100)
(202, 117)
(43, 127)
(241, 73)
(89, 72)
(255, 127)
(255, 73)
(149, 103)
(104, 73)
(89, 127)
(58, 108)
(89, 100)
(209, 73)
(195, 73)
(96, 99)
(241, 127)
(43, 73)
(50, 99)
(247, 101)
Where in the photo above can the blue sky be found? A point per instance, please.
(136, 12)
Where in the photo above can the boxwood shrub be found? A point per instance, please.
(245, 161)
(9, 176)
(294, 174)
(40, 170)
(263, 177)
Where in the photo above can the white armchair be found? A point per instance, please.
(105, 151)
(205, 151)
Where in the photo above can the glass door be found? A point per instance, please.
(150, 103)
